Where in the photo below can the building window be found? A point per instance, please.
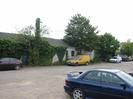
(72, 53)
(66, 54)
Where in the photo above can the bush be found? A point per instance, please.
(60, 53)
(41, 53)
(38, 53)
(11, 48)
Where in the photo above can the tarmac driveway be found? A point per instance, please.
(44, 82)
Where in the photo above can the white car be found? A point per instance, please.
(116, 59)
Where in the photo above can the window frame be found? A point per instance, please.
(111, 83)
(72, 53)
(83, 78)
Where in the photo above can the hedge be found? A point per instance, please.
(36, 54)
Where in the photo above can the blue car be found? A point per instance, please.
(100, 84)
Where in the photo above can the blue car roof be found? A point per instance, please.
(107, 70)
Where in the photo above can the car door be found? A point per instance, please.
(4, 63)
(112, 86)
(12, 62)
(92, 84)
(81, 61)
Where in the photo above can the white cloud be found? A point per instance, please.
(114, 16)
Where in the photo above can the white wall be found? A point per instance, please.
(55, 59)
(70, 49)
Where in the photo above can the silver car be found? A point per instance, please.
(116, 59)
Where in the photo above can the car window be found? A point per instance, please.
(128, 78)
(77, 58)
(111, 78)
(5, 59)
(93, 76)
(13, 59)
(115, 57)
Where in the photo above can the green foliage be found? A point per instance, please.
(38, 55)
(107, 46)
(80, 33)
(127, 48)
(11, 48)
(37, 29)
(60, 53)
(42, 53)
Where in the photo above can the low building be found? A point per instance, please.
(70, 51)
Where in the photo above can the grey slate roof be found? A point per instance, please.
(56, 42)
(7, 35)
(52, 41)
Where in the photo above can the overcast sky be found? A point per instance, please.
(113, 16)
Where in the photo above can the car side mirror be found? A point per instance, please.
(123, 85)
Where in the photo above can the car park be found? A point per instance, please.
(99, 84)
(10, 63)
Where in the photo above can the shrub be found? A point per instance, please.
(11, 48)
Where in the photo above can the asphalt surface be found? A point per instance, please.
(45, 82)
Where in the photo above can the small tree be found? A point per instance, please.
(26, 36)
(60, 53)
(31, 37)
(127, 48)
(107, 46)
(37, 29)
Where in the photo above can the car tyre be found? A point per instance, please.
(78, 94)
(17, 67)
(76, 64)
(87, 63)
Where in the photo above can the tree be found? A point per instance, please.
(37, 29)
(80, 33)
(127, 48)
(31, 37)
(107, 46)
(29, 33)
(26, 35)
(34, 30)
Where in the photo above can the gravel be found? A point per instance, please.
(44, 82)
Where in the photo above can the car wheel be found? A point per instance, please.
(78, 94)
(76, 64)
(87, 63)
(17, 67)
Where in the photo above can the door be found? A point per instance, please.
(12, 62)
(4, 63)
(92, 84)
(82, 60)
(112, 86)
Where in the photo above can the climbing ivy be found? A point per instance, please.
(60, 53)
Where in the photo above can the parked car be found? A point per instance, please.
(99, 84)
(130, 58)
(79, 60)
(124, 58)
(116, 59)
(10, 63)
(127, 58)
